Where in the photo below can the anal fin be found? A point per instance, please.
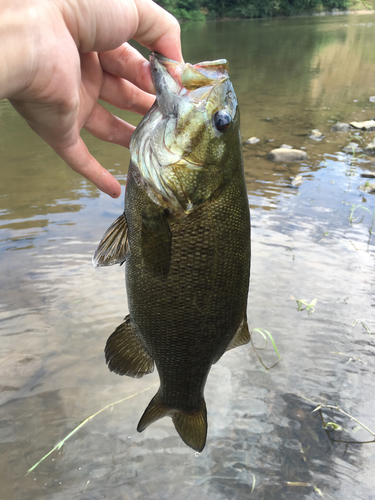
(125, 354)
(190, 425)
(241, 337)
(114, 244)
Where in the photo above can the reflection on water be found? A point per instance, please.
(56, 311)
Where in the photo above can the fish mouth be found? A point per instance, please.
(176, 76)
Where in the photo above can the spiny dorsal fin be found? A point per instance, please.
(242, 336)
(114, 244)
(125, 354)
(191, 426)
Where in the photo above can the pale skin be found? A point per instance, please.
(60, 56)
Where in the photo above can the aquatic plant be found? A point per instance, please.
(352, 218)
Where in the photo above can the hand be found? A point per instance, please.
(61, 56)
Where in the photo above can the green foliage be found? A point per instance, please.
(193, 9)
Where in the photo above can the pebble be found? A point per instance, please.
(370, 148)
(352, 147)
(340, 127)
(297, 181)
(252, 140)
(366, 125)
(285, 154)
(316, 135)
(368, 187)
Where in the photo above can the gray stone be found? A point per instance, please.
(367, 125)
(368, 175)
(370, 148)
(252, 140)
(351, 148)
(368, 187)
(284, 154)
(340, 127)
(372, 98)
(297, 181)
(286, 146)
(316, 135)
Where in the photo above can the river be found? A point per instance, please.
(311, 243)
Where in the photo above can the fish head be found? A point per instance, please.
(187, 143)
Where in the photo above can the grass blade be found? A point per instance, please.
(61, 443)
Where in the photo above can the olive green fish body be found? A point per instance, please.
(185, 237)
(187, 317)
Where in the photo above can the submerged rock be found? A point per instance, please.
(252, 140)
(368, 187)
(372, 98)
(340, 127)
(297, 181)
(285, 154)
(16, 370)
(316, 135)
(368, 175)
(367, 125)
(352, 148)
(370, 148)
(286, 146)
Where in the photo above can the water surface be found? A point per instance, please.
(56, 311)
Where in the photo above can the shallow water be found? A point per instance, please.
(56, 311)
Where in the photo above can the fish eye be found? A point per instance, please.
(222, 120)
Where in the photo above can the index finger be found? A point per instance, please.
(158, 30)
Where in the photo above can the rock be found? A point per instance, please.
(286, 146)
(16, 370)
(368, 187)
(368, 175)
(370, 148)
(252, 140)
(352, 148)
(316, 135)
(284, 154)
(372, 98)
(297, 181)
(340, 127)
(367, 125)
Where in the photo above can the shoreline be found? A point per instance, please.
(323, 13)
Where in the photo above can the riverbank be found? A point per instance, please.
(201, 10)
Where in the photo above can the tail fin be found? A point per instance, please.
(191, 426)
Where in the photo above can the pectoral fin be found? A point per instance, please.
(114, 244)
(191, 426)
(242, 336)
(156, 242)
(125, 354)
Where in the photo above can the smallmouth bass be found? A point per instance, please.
(185, 239)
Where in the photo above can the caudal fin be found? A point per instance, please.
(191, 426)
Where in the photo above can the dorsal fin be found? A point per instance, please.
(114, 244)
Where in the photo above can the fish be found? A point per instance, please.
(185, 239)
